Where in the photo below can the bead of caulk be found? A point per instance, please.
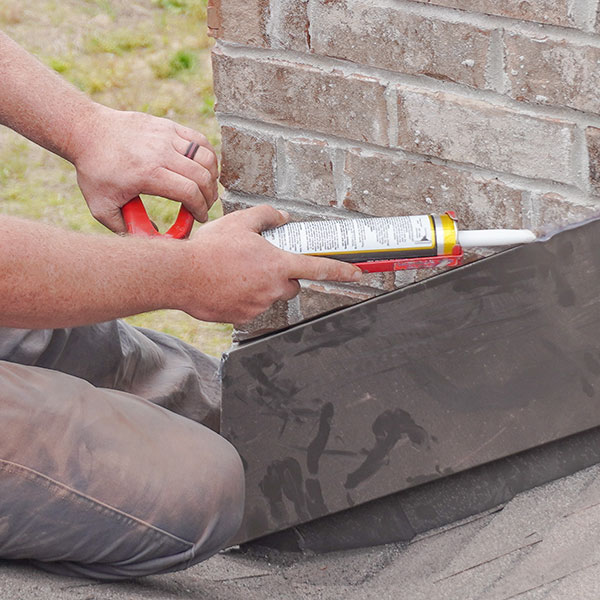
(485, 238)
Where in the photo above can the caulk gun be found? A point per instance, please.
(391, 243)
(375, 244)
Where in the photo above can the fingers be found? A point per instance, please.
(322, 269)
(204, 156)
(202, 168)
(299, 266)
(174, 186)
(190, 135)
(201, 176)
(291, 290)
(109, 215)
(260, 218)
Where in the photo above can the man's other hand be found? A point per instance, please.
(125, 154)
(235, 274)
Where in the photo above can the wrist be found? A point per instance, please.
(83, 129)
(175, 260)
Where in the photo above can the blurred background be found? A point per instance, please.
(145, 55)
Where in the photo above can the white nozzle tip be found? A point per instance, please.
(486, 238)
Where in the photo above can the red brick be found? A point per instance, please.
(382, 185)
(553, 72)
(271, 320)
(316, 299)
(494, 137)
(231, 204)
(248, 163)
(290, 25)
(307, 172)
(555, 12)
(592, 135)
(392, 38)
(240, 21)
(380, 281)
(552, 211)
(298, 95)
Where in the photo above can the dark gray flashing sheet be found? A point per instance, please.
(469, 366)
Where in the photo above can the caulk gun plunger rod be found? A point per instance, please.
(484, 238)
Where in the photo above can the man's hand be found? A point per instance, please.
(235, 274)
(129, 153)
(226, 273)
(118, 155)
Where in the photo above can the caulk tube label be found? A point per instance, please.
(356, 240)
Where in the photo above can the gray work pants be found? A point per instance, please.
(109, 467)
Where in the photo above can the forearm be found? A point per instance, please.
(54, 278)
(226, 272)
(39, 104)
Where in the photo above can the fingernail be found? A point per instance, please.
(357, 275)
(285, 214)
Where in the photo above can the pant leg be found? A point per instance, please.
(117, 356)
(105, 484)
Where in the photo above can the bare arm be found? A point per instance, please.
(226, 272)
(56, 278)
(38, 103)
(117, 154)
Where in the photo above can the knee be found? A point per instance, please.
(197, 518)
(204, 511)
(212, 513)
(229, 486)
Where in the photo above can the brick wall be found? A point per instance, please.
(340, 108)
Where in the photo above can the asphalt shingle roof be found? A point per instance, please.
(543, 544)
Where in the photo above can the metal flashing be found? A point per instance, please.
(470, 366)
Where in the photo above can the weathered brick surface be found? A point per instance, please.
(307, 172)
(248, 163)
(289, 27)
(241, 21)
(297, 95)
(552, 211)
(379, 281)
(392, 38)
(471, 131)
(555, 12)
(316, 299)
(274, 318)
(592, 135)
(553, 72)
(382, 185)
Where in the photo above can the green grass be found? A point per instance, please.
(153, 57)
(118, 42)
(182, 62)
(192, 8)
(104, 6)
(60, 65)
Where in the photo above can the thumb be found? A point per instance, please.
(262, 217)
(110, 216)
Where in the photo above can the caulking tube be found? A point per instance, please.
(387, 238)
